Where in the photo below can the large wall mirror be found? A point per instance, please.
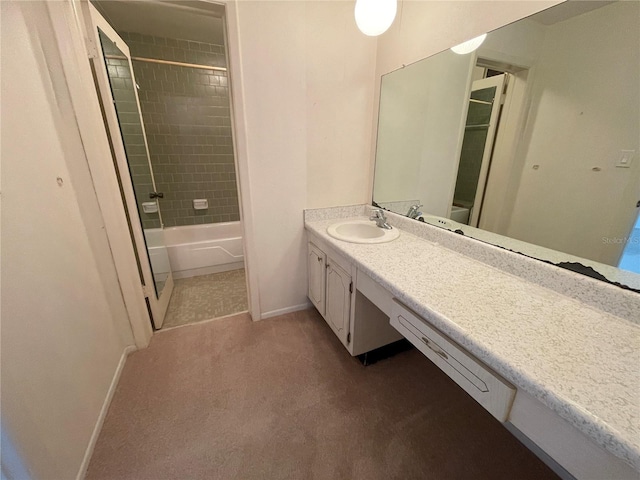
(531, 142)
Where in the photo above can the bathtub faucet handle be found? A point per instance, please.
(156, 195)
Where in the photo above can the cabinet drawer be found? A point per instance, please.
(485, 386)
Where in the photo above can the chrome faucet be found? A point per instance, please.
(377, 215)
(413, 211)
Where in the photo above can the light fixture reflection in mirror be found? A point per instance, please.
(469, 46)
(568, 104)
(374, 17)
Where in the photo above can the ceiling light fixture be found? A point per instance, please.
(469, 46)
(374, 17)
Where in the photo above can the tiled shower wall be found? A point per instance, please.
(187, 120)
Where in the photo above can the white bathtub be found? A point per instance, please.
(158, 255)
(203, 249)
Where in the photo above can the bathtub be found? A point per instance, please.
(202, 249)
(158, 255)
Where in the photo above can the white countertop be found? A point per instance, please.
(581, 362)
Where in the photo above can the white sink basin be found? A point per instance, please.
(362, 231)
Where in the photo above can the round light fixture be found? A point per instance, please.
(374, 17)
(469, 46)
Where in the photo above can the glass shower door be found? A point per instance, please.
(118, 89)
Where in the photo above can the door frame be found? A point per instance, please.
(75, 43)
(236, 93)
(231, 27)
(498, 82)
(157, 304)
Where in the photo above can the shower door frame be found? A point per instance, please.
(157, 305)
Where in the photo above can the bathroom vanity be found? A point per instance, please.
(558, 371)
(360, 326)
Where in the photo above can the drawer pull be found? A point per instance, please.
(436, 350)
(453, 362)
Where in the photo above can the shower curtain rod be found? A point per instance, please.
(179, 64)
(168, 62)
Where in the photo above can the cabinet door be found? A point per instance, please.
(338, 300)
(316, 260)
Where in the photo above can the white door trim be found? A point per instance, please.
(236, 94)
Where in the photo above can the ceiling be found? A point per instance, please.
(566, 10)
(184, 20)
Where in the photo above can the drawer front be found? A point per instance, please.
(485, 386)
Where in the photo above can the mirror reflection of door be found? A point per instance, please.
(116, 83)
(477, 145)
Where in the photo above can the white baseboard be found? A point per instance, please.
(282, 311)
(103, 413)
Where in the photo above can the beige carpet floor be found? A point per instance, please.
(205, 297)
(282, 399)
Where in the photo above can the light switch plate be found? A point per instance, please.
(626, 156)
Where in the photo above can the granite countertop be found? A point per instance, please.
(581, 362)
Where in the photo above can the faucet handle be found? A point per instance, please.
(413, 210)
(378, 216)
(377, 213)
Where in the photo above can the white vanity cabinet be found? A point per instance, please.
(358, 323)
(330, 289)
(338, 300)
(316, 265)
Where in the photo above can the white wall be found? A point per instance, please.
(585, 104)
(340, 66)
(63, 328)
(307, 88)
